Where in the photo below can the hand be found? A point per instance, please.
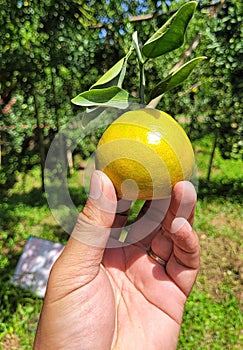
(120, 298)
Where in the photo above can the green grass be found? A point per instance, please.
(213, 313)
(210, 324)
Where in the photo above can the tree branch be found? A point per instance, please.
(187, 53)
(153, 103)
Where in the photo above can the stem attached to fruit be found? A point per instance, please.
(153, 103)
(142, 82)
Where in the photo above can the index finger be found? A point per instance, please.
(183, 204)
(183, 264)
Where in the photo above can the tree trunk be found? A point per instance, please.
(54, 100)
(70, 161)
(210, 165)
(64, 153)
(0, 150)
(1, 115)
(41, 142)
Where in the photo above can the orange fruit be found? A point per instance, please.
(145, 152)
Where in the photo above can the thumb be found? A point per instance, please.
(95, 220)
(85, 248)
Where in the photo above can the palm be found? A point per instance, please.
(149, 299)
(144, 294)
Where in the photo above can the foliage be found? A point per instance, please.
(168, 38)
(50, 51)
(43, 61)
(226, 51)
(216, 97)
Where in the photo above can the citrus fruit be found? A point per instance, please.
(145, 152)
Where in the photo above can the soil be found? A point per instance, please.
(10, 342)
(221, 267)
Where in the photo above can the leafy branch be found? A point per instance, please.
(108, 91)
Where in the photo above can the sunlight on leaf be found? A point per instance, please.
(176, 78)
(171, 35)
(107, 97)
(111, 77)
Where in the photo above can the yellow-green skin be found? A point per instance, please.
(145, 153)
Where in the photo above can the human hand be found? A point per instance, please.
(121, 298)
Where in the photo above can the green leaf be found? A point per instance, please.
(107, 97)
(171, 35)
(111, 77)
(175, 78)
(124, 67)
(136, 46)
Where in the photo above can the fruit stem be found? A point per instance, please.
(142, 82)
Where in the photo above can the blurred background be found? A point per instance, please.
(50, 51)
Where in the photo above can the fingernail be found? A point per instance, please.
(95, 185)
(178, 223)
